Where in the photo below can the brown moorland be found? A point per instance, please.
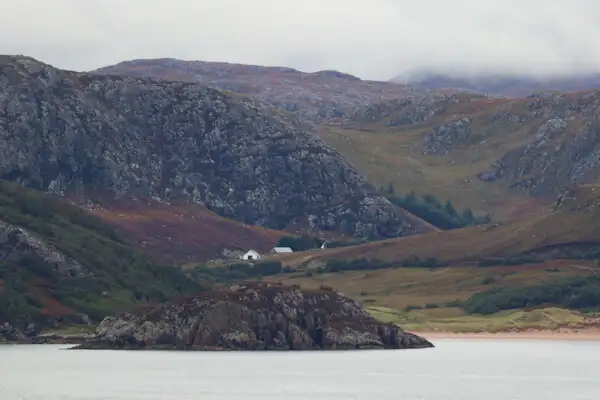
(181, 233)
(568, 225)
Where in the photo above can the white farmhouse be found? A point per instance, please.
(251, 255)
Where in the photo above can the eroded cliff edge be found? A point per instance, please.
(254, 316)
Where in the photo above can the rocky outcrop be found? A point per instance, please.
(17, 243)
(253, 317)
(10, 334)
(402, 112)
(447, 136)
(71, 133)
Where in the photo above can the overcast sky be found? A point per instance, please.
(373, 39)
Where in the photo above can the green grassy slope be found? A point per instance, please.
(113, 276)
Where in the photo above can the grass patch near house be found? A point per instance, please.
(455, 320)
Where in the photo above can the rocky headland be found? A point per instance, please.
(253, 316)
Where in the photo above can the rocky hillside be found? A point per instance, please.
(510, 86)
(59, 264)
(314, 97)
(253, 317)
(98, 136)
(498, 155)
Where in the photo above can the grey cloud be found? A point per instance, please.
(374, 39)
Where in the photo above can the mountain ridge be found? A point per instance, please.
(501, 85)
(314, 97)
(71, 133)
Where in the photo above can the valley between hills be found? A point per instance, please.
(441, 210)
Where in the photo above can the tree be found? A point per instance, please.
(299, 243)
(467, 215)
(411, 198)
(431, 200)
(390, 189)
(449, 209)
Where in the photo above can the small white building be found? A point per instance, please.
(281, 250)
(251, 255)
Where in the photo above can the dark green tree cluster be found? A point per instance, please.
(429, 208)
(366, 264)
(238, 271)
(299, 243)
(582, 293)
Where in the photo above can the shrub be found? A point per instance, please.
(299, 243)
(241, 271)
(576, 293)
(359, 264)
(490, 262)
(429, 262)
(453, 303)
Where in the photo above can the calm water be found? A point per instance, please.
(455, 370)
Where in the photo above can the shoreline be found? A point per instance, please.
(585, 334)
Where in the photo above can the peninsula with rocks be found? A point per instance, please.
(253, 316)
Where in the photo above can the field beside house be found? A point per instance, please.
(423, 299)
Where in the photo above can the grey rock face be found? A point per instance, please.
(563, 150)
(8, 333)
(67, 133)
(403, 112)
(15, 242)
(253, 317)
(447, 136)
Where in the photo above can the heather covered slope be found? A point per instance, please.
(567, 229)
(504, 156)
(179, 233)
(59, 264)
(74, 134)
(314, 97)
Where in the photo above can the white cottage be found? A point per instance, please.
(251, 255)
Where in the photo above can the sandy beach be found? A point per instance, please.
(560, 334)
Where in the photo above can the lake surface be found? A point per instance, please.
(454, 370)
